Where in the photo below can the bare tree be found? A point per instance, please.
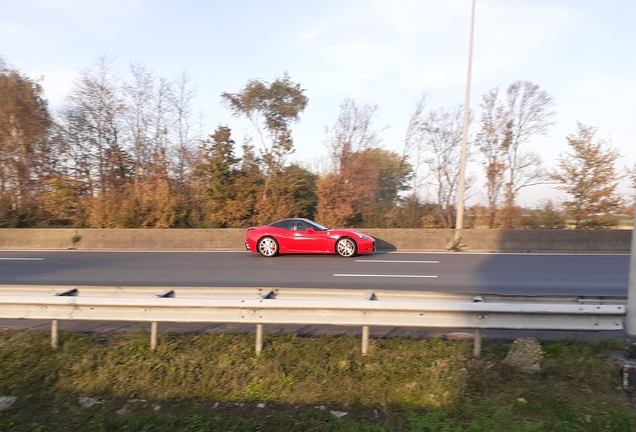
(161, 131)
(180, 97)
(630, 173)
(588, 175)
(413, 138)
(92, 119)
(353, 132)
(529, 114)
(490, 141)
(443, 130)
(158, 126)
(139, 98)
(506, 126)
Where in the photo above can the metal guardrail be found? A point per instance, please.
(281, 306)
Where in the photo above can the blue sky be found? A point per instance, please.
(382, 52)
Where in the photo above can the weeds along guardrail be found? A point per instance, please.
(300, 306)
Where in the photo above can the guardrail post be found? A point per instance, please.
(365, 339)
(259, 338)
(54, 334)
(477, 344)
(153, 336)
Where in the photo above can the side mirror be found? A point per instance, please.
(310, 230)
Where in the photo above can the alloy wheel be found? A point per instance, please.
(268, 247)
(346, 247)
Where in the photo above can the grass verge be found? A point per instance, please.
(214, 382)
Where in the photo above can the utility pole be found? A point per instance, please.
(627, 360)
(459, 223)
(631, 293)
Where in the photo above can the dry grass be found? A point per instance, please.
(214, 381)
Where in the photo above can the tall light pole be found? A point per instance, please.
(459, 223)
(631, 292)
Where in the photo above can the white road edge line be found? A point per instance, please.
(242, 251)
(397, 261)
(126, 251)
(380, 275)
(21, 259)
(504, 253)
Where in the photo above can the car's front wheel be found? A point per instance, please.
(346, 247)
(268, 246)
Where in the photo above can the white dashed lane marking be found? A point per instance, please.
(389, 275)
(382, 275)
(21, 259)
(397, 261)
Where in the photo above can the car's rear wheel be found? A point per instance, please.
(346, 247)
(268, 246)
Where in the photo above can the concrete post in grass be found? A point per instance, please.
(627, 360)
(55, 334)
(259, 338)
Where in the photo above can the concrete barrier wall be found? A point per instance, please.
(479, 240)
(124, 239)
(482, 240)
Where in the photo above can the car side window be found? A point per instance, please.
(293, 225)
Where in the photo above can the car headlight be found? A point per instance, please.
(363, 236)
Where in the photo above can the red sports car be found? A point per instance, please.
(306, 236)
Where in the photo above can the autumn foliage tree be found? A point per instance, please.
(342, 197)
(127, 151)
(393, 177)
(588, 174)
(271, 108)
(25, 152)
(363, 186)
(344, 192)
(130, 143)
(61, 201)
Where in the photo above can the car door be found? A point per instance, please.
(305, 239)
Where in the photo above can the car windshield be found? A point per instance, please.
(317, 226)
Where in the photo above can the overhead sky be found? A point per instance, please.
(384, 52)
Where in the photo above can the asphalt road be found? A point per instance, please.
(507, 274)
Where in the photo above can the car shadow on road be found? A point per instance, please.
(383, 245)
